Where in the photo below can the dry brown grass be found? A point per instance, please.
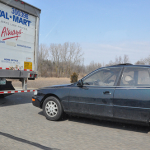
(42, 82)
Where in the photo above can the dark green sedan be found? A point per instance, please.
(118, 93)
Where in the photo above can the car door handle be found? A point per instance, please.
(107, 92)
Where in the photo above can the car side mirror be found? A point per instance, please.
(80, 83)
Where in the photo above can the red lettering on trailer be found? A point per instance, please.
(7, 32)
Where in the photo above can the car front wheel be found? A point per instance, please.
(52, 109)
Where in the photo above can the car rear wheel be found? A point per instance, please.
(52, 109)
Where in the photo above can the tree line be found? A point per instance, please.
(61, 60)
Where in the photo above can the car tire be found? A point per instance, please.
(52, 109)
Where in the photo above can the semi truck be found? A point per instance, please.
(19, 43)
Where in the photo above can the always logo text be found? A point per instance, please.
(9, 34)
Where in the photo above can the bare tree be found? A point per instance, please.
(55, 54)
(42, 57)
(126, 59)
(92, 66)
(66, 58)
(140, 62)
(145, 61)
(119, 60)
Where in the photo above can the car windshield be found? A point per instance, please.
(103, 77)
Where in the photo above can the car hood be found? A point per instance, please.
(57, 86)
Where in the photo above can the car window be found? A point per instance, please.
(103, 77)
(135, 77)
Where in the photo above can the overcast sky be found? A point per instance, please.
(104, 28)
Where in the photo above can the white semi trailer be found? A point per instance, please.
(19, 43)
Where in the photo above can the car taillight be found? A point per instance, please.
(35, 75)
(30, 75)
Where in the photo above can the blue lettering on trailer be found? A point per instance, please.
(4, 15)
(2, 41)
(14, 60)
(7, 59)
(21, 20)
(18, 16)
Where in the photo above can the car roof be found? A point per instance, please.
(118, 65)
(127, 64)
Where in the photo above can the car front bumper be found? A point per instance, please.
(36, 102)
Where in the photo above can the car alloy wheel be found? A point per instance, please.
(51, 108)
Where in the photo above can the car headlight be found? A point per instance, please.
(35, 92)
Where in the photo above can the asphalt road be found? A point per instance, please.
(23, 126)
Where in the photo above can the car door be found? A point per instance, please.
(132, 96)
(95, 97)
